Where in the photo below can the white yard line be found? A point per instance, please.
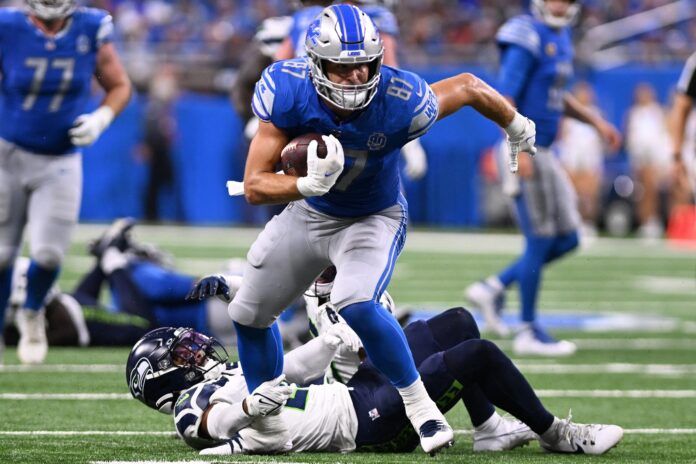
(679, 394)
(626, 431)
(78, 433)
(535, 367)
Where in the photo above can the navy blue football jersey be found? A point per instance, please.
(540, 96)
(403, 109)
(46, 80)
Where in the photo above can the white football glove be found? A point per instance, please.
(88, 127)
(341, 334)
(521, 137)
(321, 172)
(416, 160)
(269, 398)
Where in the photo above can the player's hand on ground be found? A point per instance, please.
(213, 285)
(521, 138)
(611, 136)
(88, 127)
(269, 398)
(322, 172)
(341, 334)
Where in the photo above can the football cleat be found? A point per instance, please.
(504, 434)
(117, 235)
(489, 302)
(33, 345)
(565, 436)
(435, 435)
(533, 340)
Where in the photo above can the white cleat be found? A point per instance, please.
(534, 341)
(488, 301)
(565, 436)
(33, 345)
(435, 435)
(502, 434)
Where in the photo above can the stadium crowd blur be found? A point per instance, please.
(212, 34)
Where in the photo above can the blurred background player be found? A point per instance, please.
(379, 12)
(582, 155)
(536, 65)
(146, 292)
(48, 55)
(684, 161)
(648, 147)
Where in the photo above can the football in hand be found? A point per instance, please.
(293, 158)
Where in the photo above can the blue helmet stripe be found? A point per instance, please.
(351, 27)
(341, 23)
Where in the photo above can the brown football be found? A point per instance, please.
(293, 158)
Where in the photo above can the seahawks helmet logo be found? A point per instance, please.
(137, 378)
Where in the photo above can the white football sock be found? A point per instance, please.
(490, 424)
(419, 407)
(111, 260)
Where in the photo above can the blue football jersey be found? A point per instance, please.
(46, 80)
(540, 96)
(382, 17)
(403, 109)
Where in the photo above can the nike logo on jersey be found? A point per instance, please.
(329, 174)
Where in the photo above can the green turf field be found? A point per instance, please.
(636, 366)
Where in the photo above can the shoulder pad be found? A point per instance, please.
(521, 31)
(101, 22)
(274, 95)
(421, 107)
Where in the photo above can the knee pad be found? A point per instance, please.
(47, 256)
(453, 327)
(464, 321)
(247, 317)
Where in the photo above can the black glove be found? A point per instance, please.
(213, 285)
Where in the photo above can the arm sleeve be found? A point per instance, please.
(105, 32)
(515, 67)
(225, 420)
(308, 362)
(426, 112)
(264, 96)
(687, 80)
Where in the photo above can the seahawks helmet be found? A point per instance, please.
(541, 12)
(344, 34)
(51, 9)
(166, 361)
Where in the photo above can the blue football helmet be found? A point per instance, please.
(168, 360)
(541, 12)
(344, 34)
(51, 9)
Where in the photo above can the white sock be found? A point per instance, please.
(490, 424)
(551, 435)
(111, 260)
(495, 283)
(419, 407)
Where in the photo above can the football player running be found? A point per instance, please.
(536, 65)
(348, 210)
(180, 369)
(385, 21)
(48, 55)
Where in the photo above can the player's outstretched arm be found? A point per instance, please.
(113, 78)
(466, 89)
(576, 110)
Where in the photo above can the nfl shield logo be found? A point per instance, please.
(377, 141)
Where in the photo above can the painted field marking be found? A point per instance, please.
(626, 431)
(522, 364)
(542, 393)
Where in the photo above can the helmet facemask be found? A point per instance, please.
(167, 361)
(541, 12)
(50, 10)
(343, 34)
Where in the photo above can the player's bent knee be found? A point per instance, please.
(48, 257)
(248, 317)
(464, 321)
